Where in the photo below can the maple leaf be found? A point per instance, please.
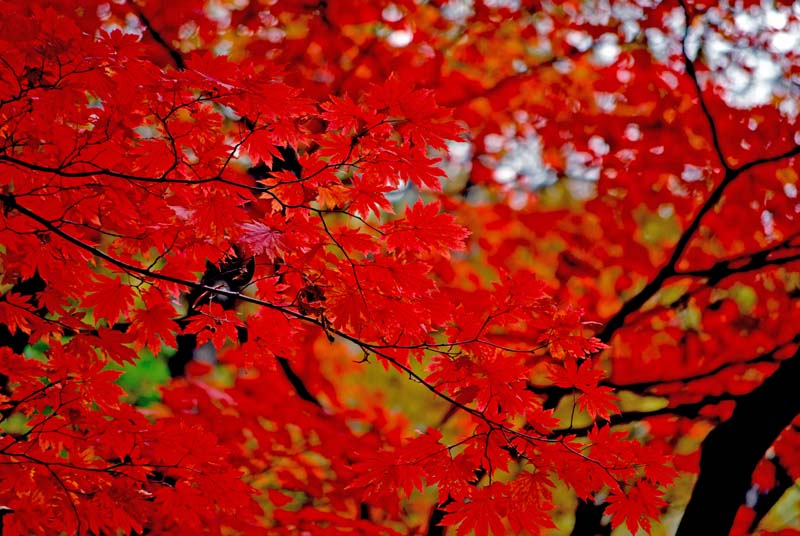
(636, 507)
(532, 500)
(109, 299)
(365, 198)
(98, 386)
(382, 474)
(355, 240)
(598, 402)
(155, 326)
(260, 239)
(18, 367)
(426, 123)
(451, 475)
(402, 163)
(594, 181)
(481, 512)
(345, 115)
(16, 313)
(425, 229)
(214, 325)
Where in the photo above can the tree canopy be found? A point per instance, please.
(399, 267)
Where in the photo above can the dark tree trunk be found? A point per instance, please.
(783, 481)
(732, 450)
(588, 520)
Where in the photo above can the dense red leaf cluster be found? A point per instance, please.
(564, 225)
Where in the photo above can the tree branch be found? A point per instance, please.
(644, 387)
(668, 270)
(10, 203)
(692, 72)
(723, 269)
(296, 381)
(176, 56)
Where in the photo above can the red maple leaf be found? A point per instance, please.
(482, 511)
(425, 229)
(641, 503)
(109, 299)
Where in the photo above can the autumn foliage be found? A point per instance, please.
(372, 267)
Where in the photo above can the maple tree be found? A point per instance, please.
(398, 267)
